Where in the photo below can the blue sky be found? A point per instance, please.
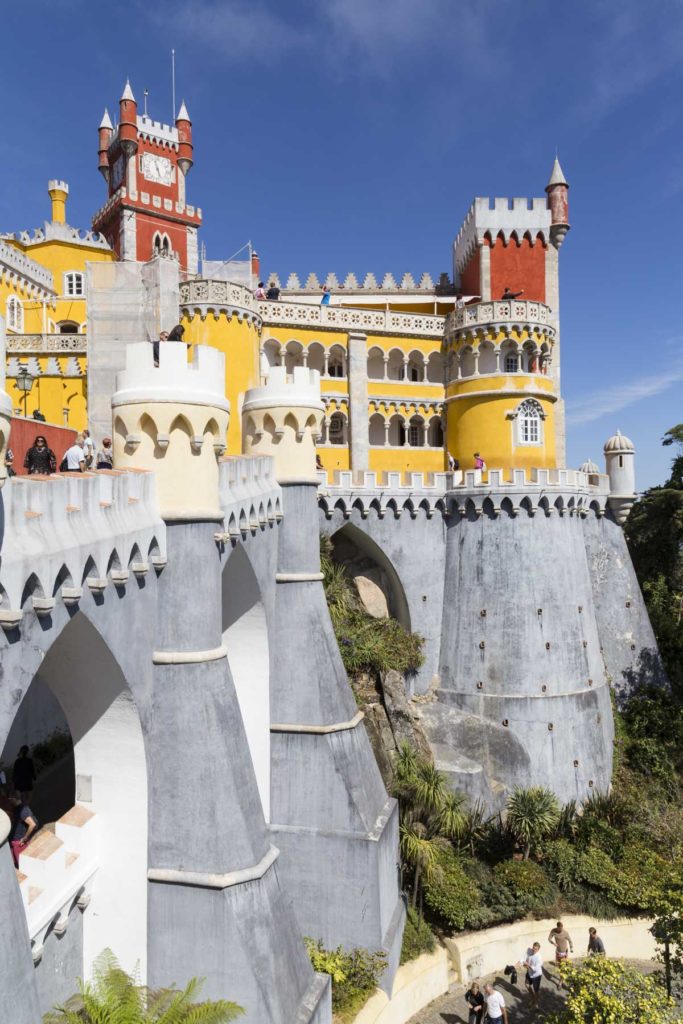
(351, 135)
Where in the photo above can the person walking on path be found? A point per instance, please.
(495, 1006)
(475, 1001)
(24, 774)
(560, 938)
(534, 964)
(595, 944)
(105, 455)
(74, 459)
(24, 825)
(40, 460)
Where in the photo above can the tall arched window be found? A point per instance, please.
(530, 422)
(15, 314)
(74, 283)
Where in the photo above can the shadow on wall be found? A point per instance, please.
(648, 672)
(376, 580)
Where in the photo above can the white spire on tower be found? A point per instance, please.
(182, 114)
(106, 120)
(557, 175)
(128, 92)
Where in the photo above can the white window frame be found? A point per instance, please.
(529, 426)
(513, 359)
(15, 314)
(73, 280)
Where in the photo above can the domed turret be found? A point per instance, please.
(620, 467)
(589, 467)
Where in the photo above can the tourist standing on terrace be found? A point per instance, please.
(495, 1006)
(40, 460)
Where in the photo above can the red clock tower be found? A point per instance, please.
(145, 164)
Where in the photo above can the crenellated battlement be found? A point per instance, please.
(284, 418)
(561, 491)
(249, 494)
(351, 283)
(511, 218)
(67, 532)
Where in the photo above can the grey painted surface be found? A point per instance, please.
(628, 643)
(330, 811)
(358, 400)
(19, 1002)
(61, 964)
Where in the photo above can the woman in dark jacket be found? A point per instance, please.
(39, 458)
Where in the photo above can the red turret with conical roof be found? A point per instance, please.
(128, 121)
(557, 190)
(106, 130)
(184, 126)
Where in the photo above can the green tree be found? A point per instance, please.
(431, 816)
(114, 997)
(602, 991)
(668, 927)
(532, 815)
(654, 531)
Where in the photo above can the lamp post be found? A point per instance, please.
(25, 383)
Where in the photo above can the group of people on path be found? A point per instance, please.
(40, 459)
(487, 1006)
(175, 334)
(24, 823)
(454, 464)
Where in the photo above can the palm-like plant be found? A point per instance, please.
(430, 815)
(115, 997)
(531, 815)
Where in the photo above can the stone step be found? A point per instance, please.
(34, 892)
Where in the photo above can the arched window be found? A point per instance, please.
(15, 314)
(67, 327)
(336, 431)
(74, 283)
(530, 422)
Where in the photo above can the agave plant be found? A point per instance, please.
(532, 815)
(115, 997)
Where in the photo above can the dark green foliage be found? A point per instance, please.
(654, 531)
(52, 749)
(526, 880)
(418, 937)
(366, 644)
(451, 894)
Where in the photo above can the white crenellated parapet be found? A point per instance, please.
(173, 419)
(66, 534)
(56, 873)
(249, 494)
(503, 216)
(283, 418)
(5, 405)
(464, 492)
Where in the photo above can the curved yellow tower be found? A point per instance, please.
(500, 394)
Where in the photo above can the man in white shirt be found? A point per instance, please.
(495, 1006)
(534, 964)
(75, 457)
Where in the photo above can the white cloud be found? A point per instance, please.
(598, 404)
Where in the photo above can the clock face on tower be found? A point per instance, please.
(156, 168)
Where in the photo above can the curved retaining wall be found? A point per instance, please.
(475, 954)
(416, 985)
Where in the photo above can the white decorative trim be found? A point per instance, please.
(298, 577)
(319, 730)
(526, 393)
(206, 880)
(189, 657)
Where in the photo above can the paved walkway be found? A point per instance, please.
(452, 1008)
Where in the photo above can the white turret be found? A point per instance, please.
(173, 419)
(620, 467)
(283, 418)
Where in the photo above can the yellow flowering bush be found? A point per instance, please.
(602, 991)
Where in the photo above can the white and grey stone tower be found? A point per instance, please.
(216, 908)
(330, 813)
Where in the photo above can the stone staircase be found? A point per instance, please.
(55, 873)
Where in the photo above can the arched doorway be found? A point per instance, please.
(80, 683)
(245, 635)
(376, 579)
